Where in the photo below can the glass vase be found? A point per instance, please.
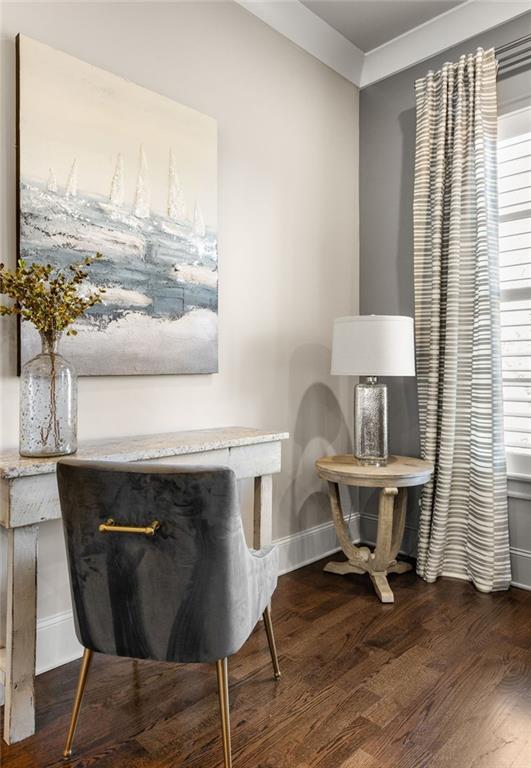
(370, 422)
(48, 403)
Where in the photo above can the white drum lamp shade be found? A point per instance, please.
(373, 345)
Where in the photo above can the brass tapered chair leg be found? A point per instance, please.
(223, 691)
(81, 683)
(268, 624)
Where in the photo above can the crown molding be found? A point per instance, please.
(303, 27)
(437, 35)
(300, 25)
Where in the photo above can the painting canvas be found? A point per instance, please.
(106, 165)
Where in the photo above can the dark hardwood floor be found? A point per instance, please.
(440, 679)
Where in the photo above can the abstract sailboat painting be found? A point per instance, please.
(109, 166)
(116, 196)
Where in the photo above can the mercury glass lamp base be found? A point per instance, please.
(370, 422)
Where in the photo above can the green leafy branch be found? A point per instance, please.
(47, 296)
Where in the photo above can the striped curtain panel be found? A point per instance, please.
(463, 529)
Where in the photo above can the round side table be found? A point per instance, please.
(394, 478)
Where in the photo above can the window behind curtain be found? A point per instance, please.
(514, 175)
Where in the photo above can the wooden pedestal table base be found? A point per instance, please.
(393, 479)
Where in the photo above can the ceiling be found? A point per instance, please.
(370, 23)
(366, 41)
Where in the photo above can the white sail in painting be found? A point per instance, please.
(116, 196)
(51, 185)
(199, 222)
(71, 184)
(142, 196)
(176, 202)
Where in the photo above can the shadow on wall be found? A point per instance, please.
(320, 429)
(403, 399)
(403, 410)
(403, 406)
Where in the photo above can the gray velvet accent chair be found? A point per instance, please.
(159, 568)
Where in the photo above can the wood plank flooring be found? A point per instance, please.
(440, 679)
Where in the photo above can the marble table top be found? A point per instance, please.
(141, 447)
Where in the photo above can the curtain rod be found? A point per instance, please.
(517, 56)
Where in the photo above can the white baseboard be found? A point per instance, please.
(521, 586)
(306, 547)
(57, 643)
(56, 640)
(521, 568)
(520, 558)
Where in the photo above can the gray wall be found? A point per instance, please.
(387, 153)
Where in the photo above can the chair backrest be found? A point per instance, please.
(171, 596)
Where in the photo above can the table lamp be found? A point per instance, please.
(372, 346)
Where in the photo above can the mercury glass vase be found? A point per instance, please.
(370, 422)
(48, 403)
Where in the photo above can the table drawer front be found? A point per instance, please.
(216, 458)
(35, 499)
(255, 460)
(245, 460)
(31, 500)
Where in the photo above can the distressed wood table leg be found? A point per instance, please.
(263, 511)
(358, 557)
(400, 567)
(343, 568)
(19, 712)
(399, 526)
(399, 522)
(384, 538)
(3, 603)
(381, 586)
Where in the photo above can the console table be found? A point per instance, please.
(29, 496)
(393, 480)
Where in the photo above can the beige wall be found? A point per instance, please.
(288, 235)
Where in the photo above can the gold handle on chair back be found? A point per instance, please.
(111, 527)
